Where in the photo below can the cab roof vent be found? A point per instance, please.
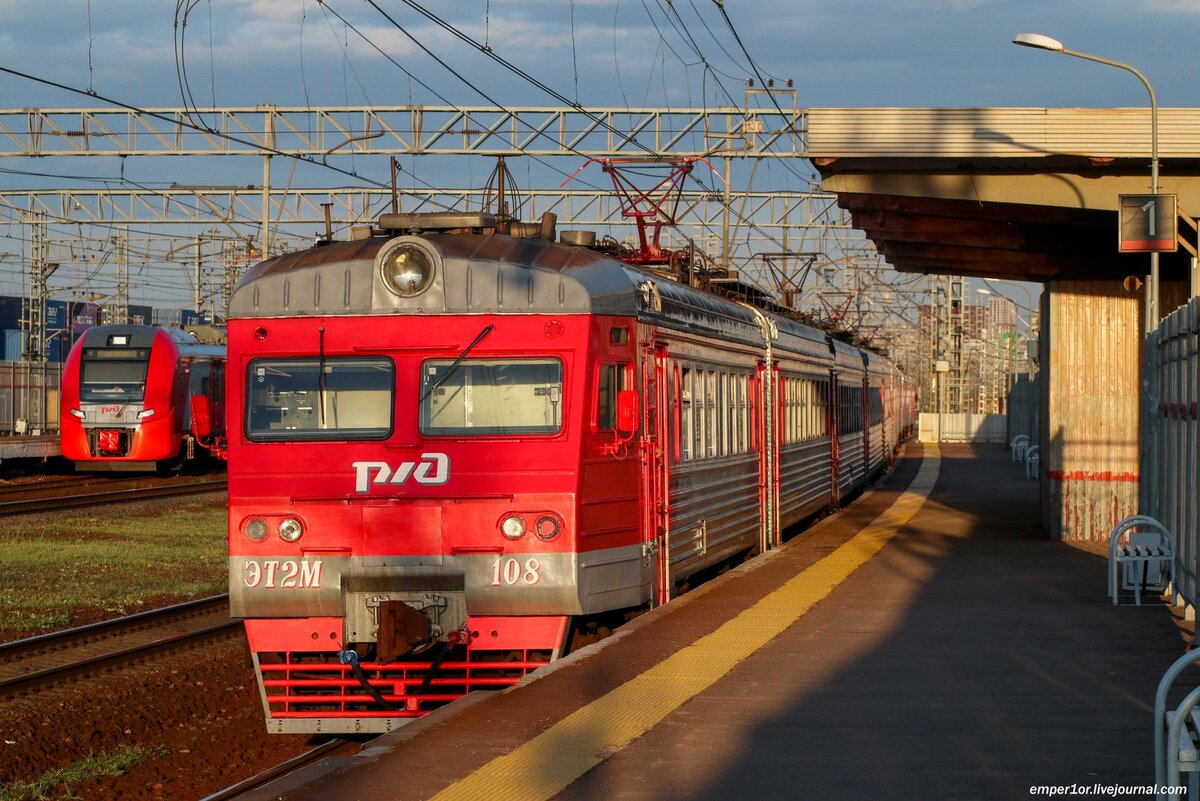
(437, 221)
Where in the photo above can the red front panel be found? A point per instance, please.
(382, 510)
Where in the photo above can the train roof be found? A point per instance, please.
(482, 274)
(142, 336)
(494, 273)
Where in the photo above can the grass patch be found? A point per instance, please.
(61, 783)
(51, 570)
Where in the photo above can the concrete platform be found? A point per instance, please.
(909, 647)
(29, 447)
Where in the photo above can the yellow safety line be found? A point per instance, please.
(550, 762)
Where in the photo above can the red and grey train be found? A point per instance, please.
(126, 393)
(450, 450)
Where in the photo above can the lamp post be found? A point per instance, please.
(1146, 452)
(1040, 42)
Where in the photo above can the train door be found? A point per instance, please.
(774, 483)
(833, 417)
(864, 414)
(656, 458)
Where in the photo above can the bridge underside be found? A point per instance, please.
(1030, 217)
(984, 221)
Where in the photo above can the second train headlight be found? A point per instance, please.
(407, 269)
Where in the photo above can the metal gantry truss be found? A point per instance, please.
(395, 130)
(212, 233)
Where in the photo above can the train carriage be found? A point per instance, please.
(452, 451)
(806, 373)
(847, 401)
(878, 448)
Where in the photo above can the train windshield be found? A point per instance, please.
(113, 375)
(319, 399)
(486, 397)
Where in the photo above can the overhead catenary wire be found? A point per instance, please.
(490, 53)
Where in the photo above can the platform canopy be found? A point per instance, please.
(1019, 193)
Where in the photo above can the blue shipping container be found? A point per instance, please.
(10, 312)
(56, 315)
(14, 345)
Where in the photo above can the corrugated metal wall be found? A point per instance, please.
(1174, 435)
(965, 427)
(29, 392)
(1089, 438)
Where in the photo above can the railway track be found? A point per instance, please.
(105, 496)
(48, 659)
(51, 484)
(242, 790)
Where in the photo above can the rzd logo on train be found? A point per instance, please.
(434, 468)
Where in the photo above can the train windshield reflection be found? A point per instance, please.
(311, 399)
(485, 397)
(108, 376)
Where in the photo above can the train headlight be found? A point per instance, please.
(256, 529)
(407, 269)
(144, 413)
(512, 527)
(290, 529)
(547, 527)
(78, 413)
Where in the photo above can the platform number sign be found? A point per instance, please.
(1148, 223)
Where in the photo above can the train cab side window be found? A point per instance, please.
(612, 379)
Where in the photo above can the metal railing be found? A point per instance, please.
(1171, 467)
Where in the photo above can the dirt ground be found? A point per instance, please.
(197, 713)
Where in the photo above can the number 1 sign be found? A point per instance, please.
(1148, 223)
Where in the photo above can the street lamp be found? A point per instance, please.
(1040, 42)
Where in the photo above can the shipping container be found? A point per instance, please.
(140, 315)
(83, 317)
(56, 315)
(14, 345)
(10, 312)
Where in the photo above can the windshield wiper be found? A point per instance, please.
(487, 329)
(321, 377)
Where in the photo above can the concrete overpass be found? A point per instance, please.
(1031, 194)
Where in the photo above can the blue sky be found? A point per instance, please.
(839, 52)
(597, 52)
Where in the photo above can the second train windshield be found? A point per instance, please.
(110, 375)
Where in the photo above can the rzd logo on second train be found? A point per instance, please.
(434, 468)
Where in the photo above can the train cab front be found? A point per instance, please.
(118, 399)
(401, 526)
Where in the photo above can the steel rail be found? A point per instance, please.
(97, 480)
(112, 496)
(92, 634)
(260, 780)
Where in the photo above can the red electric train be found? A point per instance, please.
(125, 396)
(451, 451)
